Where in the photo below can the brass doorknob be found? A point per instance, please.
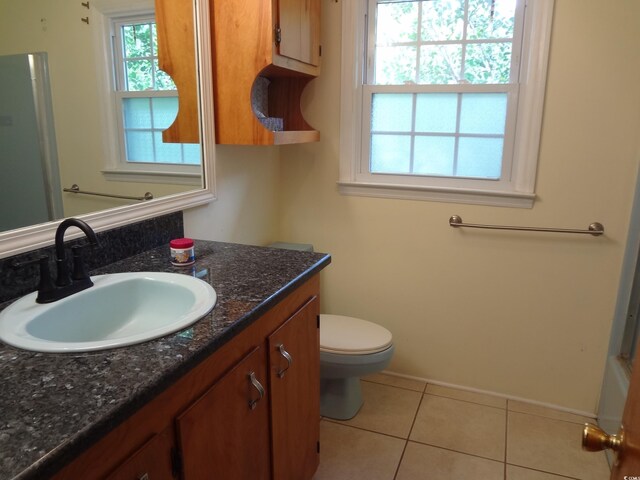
(595, 439)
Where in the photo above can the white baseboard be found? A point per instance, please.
(487, 392)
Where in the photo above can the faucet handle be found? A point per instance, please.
(80, 273)
(45, 287)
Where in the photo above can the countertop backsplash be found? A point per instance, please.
(115, 245)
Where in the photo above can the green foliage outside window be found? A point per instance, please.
(424, 42)
(140, 51)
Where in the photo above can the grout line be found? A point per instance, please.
(457, 451)
(547, 417)
(542, 471)
(341, 422)
(406, 443)
(506, 438)
(466, 401)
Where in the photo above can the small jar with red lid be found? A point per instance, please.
(182, 252)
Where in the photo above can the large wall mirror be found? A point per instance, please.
(84, 105)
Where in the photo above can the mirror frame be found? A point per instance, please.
(13, 242)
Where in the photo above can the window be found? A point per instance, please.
(443, 98)
(145, 102)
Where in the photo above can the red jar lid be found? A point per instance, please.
(181, 243)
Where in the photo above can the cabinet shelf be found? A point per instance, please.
(270, 39)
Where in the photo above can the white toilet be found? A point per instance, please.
(349, 349)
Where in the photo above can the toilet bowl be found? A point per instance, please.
(349, 349)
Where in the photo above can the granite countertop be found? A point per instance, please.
(54, 406)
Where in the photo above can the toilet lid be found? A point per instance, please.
(348, 335)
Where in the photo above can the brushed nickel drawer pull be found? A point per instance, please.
(287, 357)
(258, 386)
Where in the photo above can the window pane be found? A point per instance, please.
(395, 65)
(436, 112)
(139, 75)
(391, 112)
(191, 153)
(440, 64)
(137, 112)
(479, 157)
(137, 40)
(488, 63)
(397, 22)
(139, 146)
(434, 155)
(491, 19)
(390, 153)
(165, 110)
(483, 113)
(166, 152)
(442, 20)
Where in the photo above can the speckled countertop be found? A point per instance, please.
(54, 406)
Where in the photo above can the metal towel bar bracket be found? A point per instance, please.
(596, 229)
(76, 189)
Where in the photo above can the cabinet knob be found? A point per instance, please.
(258, 386)
(144, 476)
(287, 357)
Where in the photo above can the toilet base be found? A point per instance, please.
(340, 398)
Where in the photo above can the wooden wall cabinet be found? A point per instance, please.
(248, 412)
(275, 39)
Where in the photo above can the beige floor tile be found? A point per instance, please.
(552, 446)
(519, 473)
(348, 453)
(473, 397)
(395, 381)
(523, 407)
(430, 463)
(386, 409)
(461, 426)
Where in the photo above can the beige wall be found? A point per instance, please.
(522, 314)
(246, 210)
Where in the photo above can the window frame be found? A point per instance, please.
(517, 186)
(117, 168)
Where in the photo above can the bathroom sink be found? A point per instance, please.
(120, 309)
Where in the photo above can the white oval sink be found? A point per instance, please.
(120, 309)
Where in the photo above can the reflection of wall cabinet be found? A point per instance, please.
(177, 57)
(249, 411)
(275, 39)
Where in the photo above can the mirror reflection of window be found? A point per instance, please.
(146, 99)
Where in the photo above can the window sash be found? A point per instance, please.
(364, 173)
(516, 40)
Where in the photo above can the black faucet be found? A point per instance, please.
(65, 284)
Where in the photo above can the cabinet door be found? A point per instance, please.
(225, 433)
(299, 23)
(294, 378)
(151, 462)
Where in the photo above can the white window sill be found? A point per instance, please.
(172, 177)
(438, 194)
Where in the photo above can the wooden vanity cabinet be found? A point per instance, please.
(225, 433)
(278, 40)
(295, 394)
(216, 422)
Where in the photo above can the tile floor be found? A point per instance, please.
(410, 430)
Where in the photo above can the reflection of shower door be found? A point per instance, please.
(625, 331)
(29, 178)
